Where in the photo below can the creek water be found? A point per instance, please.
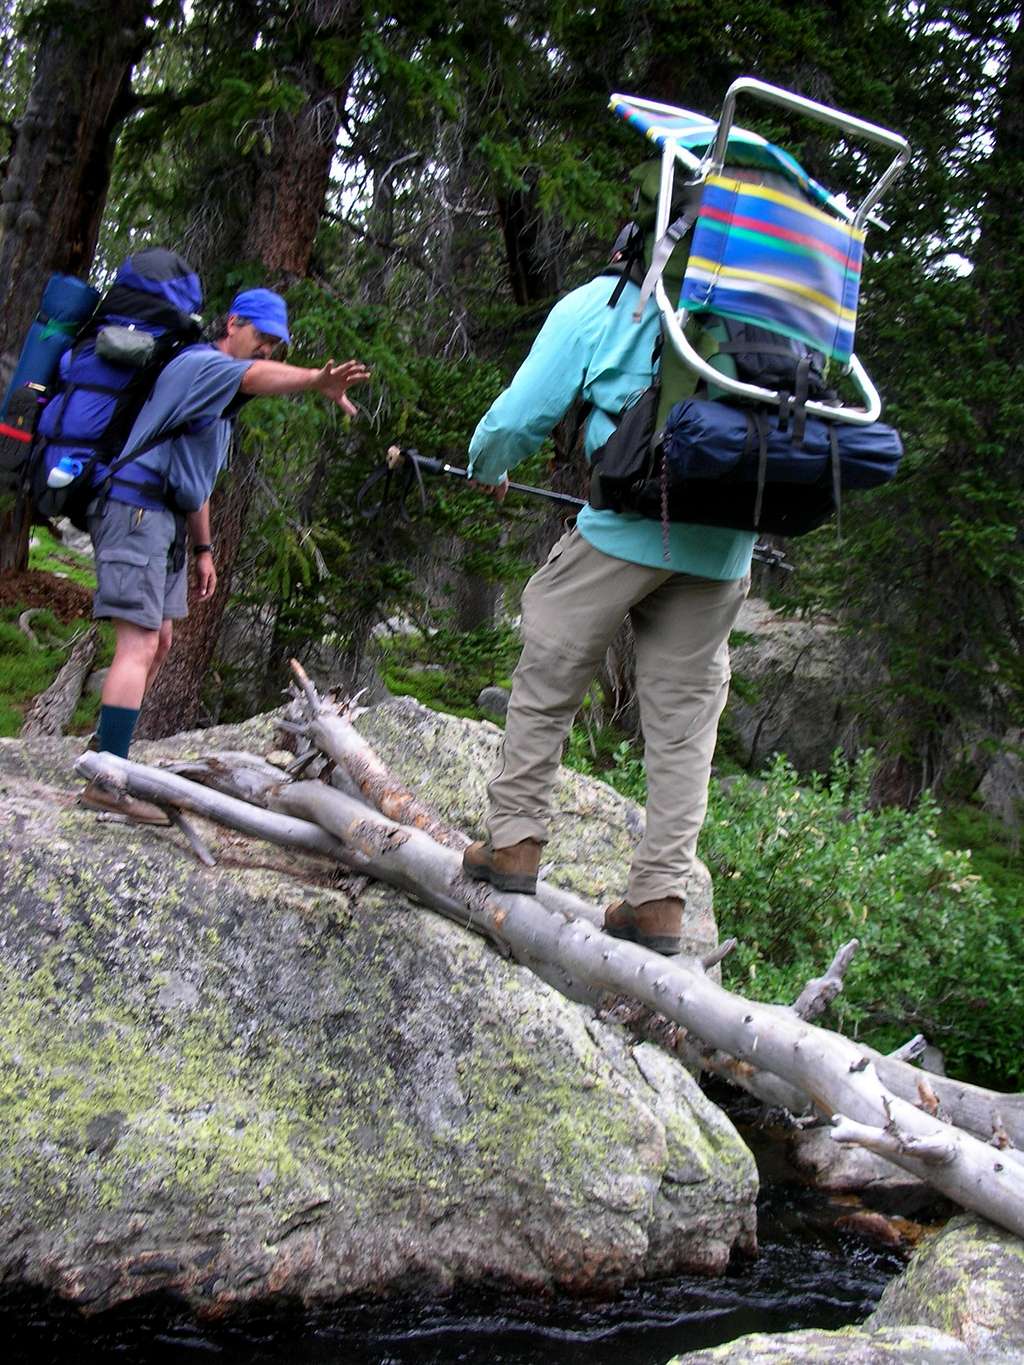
(807, 1275)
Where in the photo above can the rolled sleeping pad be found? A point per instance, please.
(66, 303)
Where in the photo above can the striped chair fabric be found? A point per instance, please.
(768, 257)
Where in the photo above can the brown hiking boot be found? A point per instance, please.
(656, 925)
(508, 869)
(98, 797)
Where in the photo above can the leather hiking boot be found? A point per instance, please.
(508, 869)
(656, 925)
(98, 797)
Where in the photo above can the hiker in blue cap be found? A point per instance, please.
(140, 542)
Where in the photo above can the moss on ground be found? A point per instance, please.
(49, 555)
(26, 669)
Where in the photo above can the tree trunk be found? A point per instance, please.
(290, 192)
(174, 702)
(532, 246)
(280, 232)
(56, 180)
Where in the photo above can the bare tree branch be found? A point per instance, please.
(819, 993)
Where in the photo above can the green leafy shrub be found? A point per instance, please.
(801, 868)
(472, 660)
(603, 753)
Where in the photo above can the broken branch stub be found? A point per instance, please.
(819, 993)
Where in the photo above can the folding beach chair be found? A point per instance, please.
(784, 254)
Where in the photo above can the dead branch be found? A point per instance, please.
(970, 1107)
(891, 1142)
(1000, 1137)
(718, 954)
(25, 627)
(819, 993)
(336, 737)
(245, 776)
(192, 835)
(51, 711)
(926, 1097)
(166, 788)
(911, 1050)
(308, 688)
(841, 1077)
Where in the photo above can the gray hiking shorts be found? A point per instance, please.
(135, 580)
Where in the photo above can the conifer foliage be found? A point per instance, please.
(424, 179)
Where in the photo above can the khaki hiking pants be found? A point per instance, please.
(572, 608)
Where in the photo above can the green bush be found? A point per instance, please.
(603, 753)
(473, 660)
(800, 868)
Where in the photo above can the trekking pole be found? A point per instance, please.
(408, 467)
(429, 466)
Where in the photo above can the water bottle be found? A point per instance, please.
(65, 471)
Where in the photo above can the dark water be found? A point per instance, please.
(806, 1276)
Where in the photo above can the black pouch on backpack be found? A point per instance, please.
(626, 458)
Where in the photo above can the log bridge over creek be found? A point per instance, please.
(338, 800)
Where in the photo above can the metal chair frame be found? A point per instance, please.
(675, 319)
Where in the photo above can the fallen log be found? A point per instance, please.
(51, 711)
(841, 1079)
(329, 728)
(839, 1076)
(166, 788)
(979, 1111)
(245, 776)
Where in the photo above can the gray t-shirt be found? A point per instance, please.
(195, 389)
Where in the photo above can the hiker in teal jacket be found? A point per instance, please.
(609, 566)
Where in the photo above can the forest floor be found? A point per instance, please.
(69, 601)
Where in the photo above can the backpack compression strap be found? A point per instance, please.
(152, 490)
(124, 301)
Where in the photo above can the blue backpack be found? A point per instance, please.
(143, 321)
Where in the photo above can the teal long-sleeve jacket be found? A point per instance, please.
(586, 349)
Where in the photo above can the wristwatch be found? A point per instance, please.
(202, 549)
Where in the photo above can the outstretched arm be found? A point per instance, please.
(265, 378)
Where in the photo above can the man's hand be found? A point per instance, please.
(334, 381)
(206, 575)
(496, 490)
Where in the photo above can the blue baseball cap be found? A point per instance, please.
(266, 311)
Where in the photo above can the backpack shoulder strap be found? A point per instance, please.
(663, 249)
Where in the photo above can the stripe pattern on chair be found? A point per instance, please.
(764, 256)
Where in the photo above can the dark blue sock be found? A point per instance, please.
(117, 725)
